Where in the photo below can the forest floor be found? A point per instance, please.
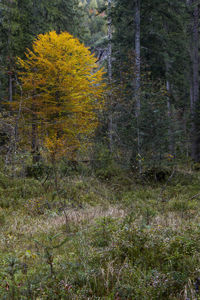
(100, 237)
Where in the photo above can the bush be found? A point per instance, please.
(156, 174)
(38, 170)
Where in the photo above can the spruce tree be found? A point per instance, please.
(21, 21)
(163, 55)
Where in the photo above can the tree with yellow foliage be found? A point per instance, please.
(62, 93)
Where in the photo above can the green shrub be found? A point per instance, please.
(38, 170)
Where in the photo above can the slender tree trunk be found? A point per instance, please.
(10, 78)
(191, 94)
(34, 138)
(138, 77)
(169, 104)
(110, 126)
(169, 112)
(170, 118)
(10, 87)
(35, 150)
(137, 57)
(194, 91)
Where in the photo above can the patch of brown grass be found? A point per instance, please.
(26, 225)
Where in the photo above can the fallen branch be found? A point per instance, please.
(195, 196)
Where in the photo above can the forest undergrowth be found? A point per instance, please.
(100, 234)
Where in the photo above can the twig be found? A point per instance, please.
(195, 196)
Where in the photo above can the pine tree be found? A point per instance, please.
(195, 104)
(163, 54)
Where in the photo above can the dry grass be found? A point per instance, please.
(175, 220)
(26, 225)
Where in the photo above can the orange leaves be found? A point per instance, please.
(63, 89)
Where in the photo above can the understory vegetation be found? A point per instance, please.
(99, 150)
(99, 233)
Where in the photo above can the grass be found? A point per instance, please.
(100, 238)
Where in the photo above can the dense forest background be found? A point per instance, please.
(150, 53)
(99, 149)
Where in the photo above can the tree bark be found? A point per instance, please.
(35, 148)
(170, 118)
(169, 111)
(138, 77)
(34, 138)
(171, 146)
(10, 87)
(110, 125)
(137, 57)
(194, 91)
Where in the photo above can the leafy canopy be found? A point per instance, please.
(63, 91)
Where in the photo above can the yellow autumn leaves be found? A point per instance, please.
(62, 92)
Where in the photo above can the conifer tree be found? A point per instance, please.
(164, 55)
(194, 91)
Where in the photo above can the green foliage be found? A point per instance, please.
(21, 21)
(2, 218)
(103, 231)
(94, 23)
(142, 247)
(156, 174)
(94, 228)
(104, 165)
(164, 86)
(38, 170)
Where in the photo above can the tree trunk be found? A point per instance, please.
(194, 91)
(138, 78)
(34, 138)
(169, 111)
(35, 148)
(110, 126)
(168, 88)
(170, 118)
(10, 87)
(137, 56)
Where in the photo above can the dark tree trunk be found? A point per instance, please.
(10, 87)
(110, 125)
(194, 91)
(138, 77)
(35, 148)
(169, 111)
(34, 138)
(137, 57)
